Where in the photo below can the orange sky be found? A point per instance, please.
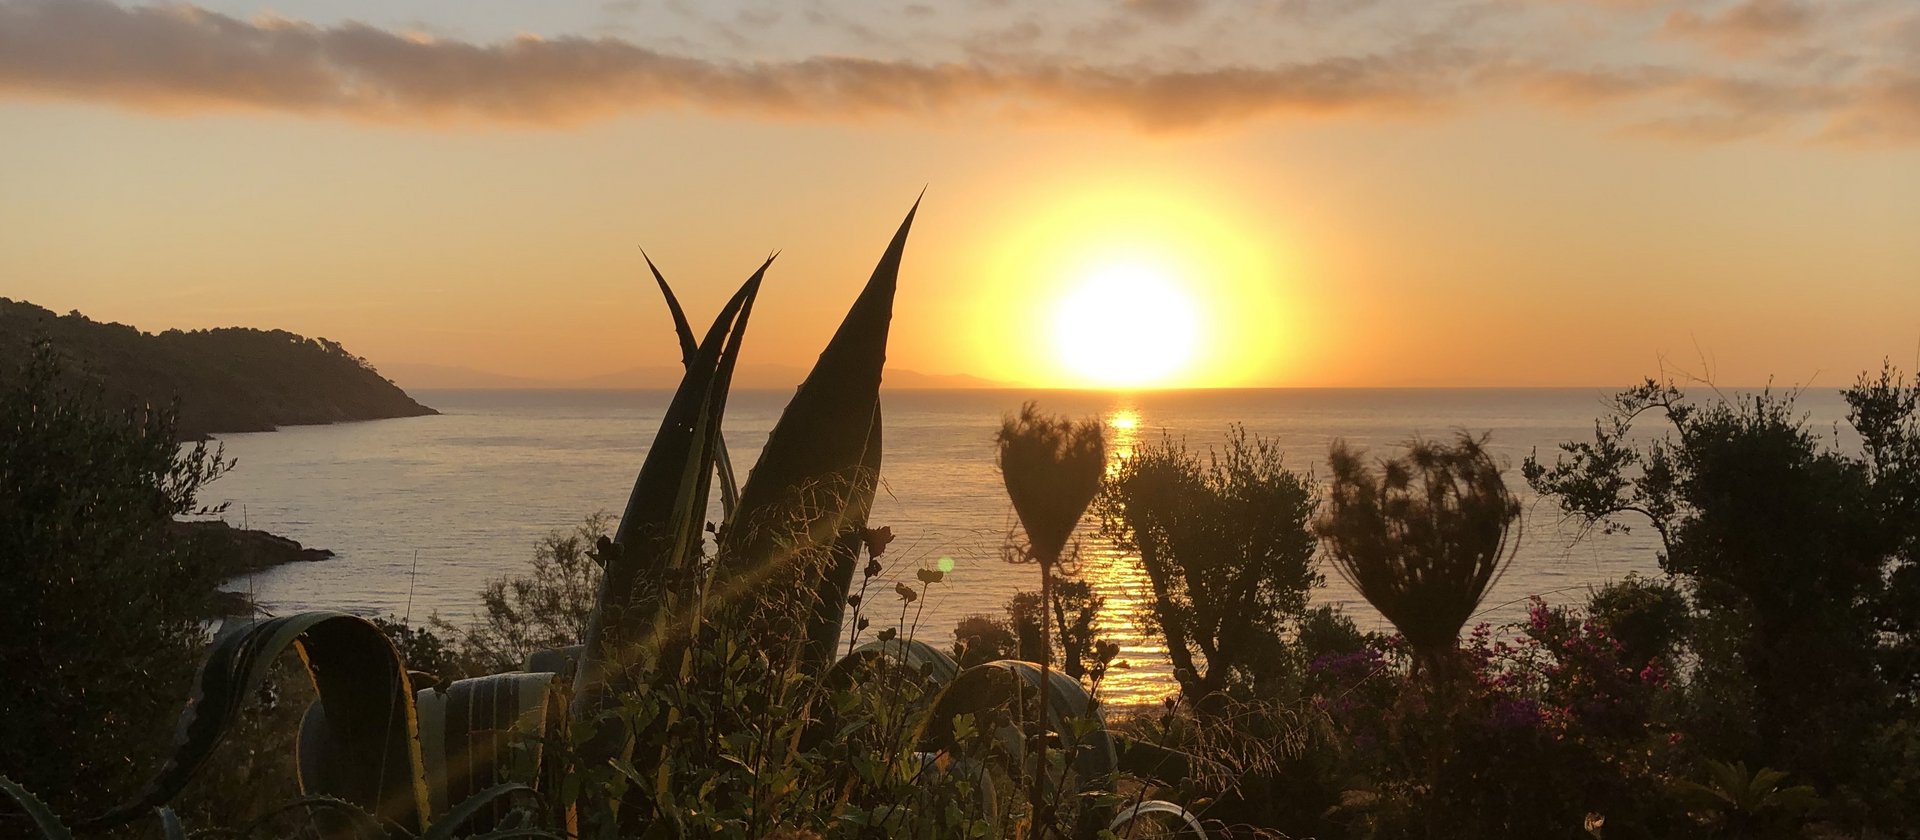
(1553, 193)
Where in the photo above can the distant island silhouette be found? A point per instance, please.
(771, 377)
(232, 379)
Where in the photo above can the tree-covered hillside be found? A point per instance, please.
(227, 380)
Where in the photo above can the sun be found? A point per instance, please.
(1130, 283)
(1126, 325)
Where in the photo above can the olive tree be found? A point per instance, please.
(1225, 540)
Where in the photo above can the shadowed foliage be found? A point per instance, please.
(1799, 554)
(979, 639)
(1224, 541)
(103, 598)
(1423, 537)
(547, 607)
(1074, 614)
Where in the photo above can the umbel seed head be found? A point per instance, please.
(1052, 467)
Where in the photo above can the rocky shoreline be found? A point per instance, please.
(242, 552)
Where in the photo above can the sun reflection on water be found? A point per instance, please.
(1123, 432)
(1142, 672)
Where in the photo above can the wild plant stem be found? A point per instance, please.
(896, 703)
(1038, 794)
(853, 632)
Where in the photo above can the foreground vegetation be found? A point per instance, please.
(641, 679)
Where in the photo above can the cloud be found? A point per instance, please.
(183, 58)
(1591, 87)
(1747, 27)
(1885, 113)
(1163, 11)
(1695, 106)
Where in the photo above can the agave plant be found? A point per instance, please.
(650, 569)
(791, 546)
(362, 742)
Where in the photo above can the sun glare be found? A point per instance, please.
(1134, 284)
(1126, 325)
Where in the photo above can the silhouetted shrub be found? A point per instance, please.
(1796, 552)
(546, 607)
(1225, 543)
(1647, 618)
(1075, 613)
(982, 638)
(102, 620)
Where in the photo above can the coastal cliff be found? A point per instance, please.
(226, 380)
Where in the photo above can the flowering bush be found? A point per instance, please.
(1551, 722)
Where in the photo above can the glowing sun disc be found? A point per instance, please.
(1126, 325)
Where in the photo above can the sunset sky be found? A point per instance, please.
(1290, 192)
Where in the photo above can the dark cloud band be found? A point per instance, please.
(183, 58)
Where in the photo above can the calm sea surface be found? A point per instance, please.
(423, 511)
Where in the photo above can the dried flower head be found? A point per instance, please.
(1052, 468)
(877, 540)
(1423, 537)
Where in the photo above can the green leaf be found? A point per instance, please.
(363, 687)
(659, 535)
(814, 482)
(444, 828)
(364, 825)
(1764, 781)
(516, 833)
(729, 488)
(43, 817)
(1797, 799)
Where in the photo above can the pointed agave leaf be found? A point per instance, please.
(816, 477)
(729, 488)
(699, 475)
(364, 690)
(363, 826)
(42, 816)
(830, 591)
(659, 535)
(448, 827)
(518, 834)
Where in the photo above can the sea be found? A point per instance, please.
(422, 512)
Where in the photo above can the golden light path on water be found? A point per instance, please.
(1140, 672)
